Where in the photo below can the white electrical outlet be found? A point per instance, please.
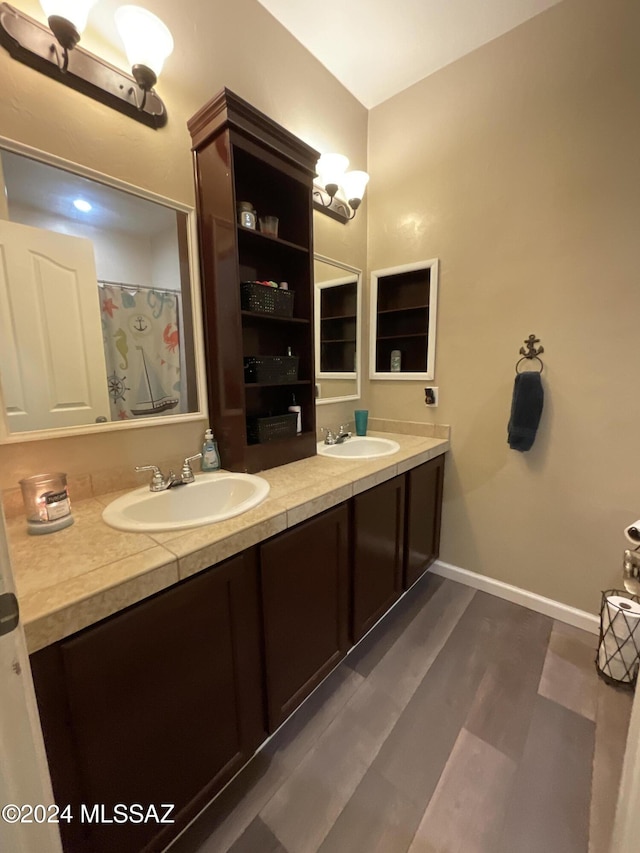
(431, 396)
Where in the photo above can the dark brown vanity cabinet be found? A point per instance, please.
(242, 156)
(423, 515)
(167, 700)
(378, 522)
(305, 596)
(161, 703)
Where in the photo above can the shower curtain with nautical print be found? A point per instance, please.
(140, 329)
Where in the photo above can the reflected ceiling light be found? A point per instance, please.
(54, 52)
(332, 176)
(82, 205)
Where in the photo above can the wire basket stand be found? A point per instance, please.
(618, 655)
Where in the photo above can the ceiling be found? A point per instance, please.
(52, 191)
(377, 48)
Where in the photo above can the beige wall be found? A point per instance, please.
(238, 45)
(518, 167)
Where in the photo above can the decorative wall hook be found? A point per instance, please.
(531, 352)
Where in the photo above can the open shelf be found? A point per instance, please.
(258, 235)
(277, 384)
(272, 318)
(326, 319)
(398, 337)
(403, 312)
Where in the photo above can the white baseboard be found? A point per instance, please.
(547, 606)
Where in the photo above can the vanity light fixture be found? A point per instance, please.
(332, 176)
(53, 51)
(147, 42)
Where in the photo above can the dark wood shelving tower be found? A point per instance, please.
(240, 154)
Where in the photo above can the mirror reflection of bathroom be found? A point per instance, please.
(96, 322)
(337, 330)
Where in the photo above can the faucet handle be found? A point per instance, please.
(329, 437)
(157, 481)
(187, 475)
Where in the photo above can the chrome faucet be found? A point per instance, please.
(338, 437)
(160, 483)
(187, 475)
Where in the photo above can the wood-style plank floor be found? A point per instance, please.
(462, 724)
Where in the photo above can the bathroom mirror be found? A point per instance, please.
(338, 313)
(99, 302)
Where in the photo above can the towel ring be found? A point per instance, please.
(530, 353)
(529, 358)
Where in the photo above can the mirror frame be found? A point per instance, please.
(8, 437)
(317, 289)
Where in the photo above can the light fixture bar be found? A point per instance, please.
(336, 209)
(32, 43)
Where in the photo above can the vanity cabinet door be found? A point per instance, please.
(160, 704)
(424, 510)
(378, 539)
(305, 602)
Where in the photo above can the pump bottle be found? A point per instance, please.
(210, 455)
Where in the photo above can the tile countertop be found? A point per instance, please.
(75, 577)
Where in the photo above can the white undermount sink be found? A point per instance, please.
(359, 447)
(212, 497)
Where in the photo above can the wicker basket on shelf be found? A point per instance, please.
(261, 430)
(266, 300)
(271, 369)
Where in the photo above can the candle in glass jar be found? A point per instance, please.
(46, 502)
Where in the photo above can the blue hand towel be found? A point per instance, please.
(526, 408)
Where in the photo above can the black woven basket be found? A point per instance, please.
(271, 368)
(261, 430)
(266, 300)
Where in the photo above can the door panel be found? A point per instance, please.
(305, 599)
(54, 372)
(159, 704)
(424, 509)
(378, 540)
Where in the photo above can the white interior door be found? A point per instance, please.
(51, 351)
(24, 775)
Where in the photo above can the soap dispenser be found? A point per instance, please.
(210, 455)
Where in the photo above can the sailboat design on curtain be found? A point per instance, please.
(151, 397)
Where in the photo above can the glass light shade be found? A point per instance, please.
(353, 185)
(76, 11)
(331, 168)
(147, 41)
